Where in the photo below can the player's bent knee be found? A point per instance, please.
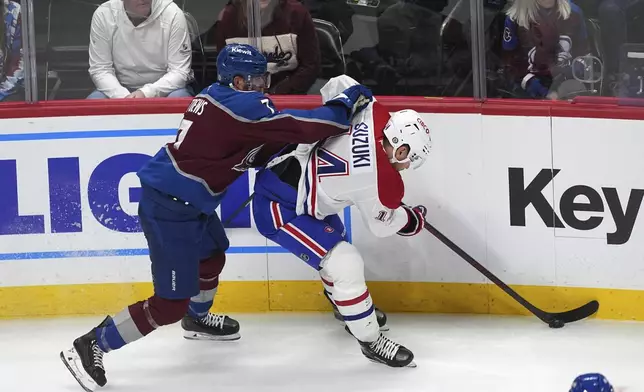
(209, 270)
(344, 265)
(167, 311)
(212, 266)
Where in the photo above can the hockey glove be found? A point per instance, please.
(354, 98)
(416, 220)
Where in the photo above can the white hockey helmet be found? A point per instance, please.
(406, 127)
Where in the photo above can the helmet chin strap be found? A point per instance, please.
(394, 160)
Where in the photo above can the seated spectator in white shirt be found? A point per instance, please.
(140, 49)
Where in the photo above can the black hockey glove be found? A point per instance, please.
(416, 220)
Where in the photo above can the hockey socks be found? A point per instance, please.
(108, 337)
(201, 303)
(209, 270)
(343, 275)
(138, 320)
(360, 316)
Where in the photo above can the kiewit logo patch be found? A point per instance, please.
(237, 49)
(522, 196)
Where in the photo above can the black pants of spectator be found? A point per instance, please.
(612, 19)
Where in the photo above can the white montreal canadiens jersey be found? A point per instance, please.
(353, 169)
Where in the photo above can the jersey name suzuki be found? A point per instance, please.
(353, 169)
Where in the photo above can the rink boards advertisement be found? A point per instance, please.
(550, 203)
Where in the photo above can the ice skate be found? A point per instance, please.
(210, 327)
(85, 360)
(388, 352)
(380, 315)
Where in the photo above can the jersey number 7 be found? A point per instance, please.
(184, 127)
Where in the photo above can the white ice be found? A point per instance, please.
(311, 352)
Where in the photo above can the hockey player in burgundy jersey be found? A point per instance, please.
(302, 190)
(227, 129)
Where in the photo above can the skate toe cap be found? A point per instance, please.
(231, 324)
(404, 356)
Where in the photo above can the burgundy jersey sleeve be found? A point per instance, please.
(255, 118)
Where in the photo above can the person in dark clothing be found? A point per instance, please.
(337, 12)
(409, 33)
(613, 21)
(289, 42)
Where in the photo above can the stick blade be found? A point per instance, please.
(577, 314)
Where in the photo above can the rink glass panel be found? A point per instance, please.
(395, 48)
(448, 48)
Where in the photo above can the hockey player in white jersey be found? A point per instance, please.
(301, 191)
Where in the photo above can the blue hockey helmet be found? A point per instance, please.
(591, 382)
(245, 61)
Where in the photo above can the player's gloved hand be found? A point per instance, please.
(416, 220)
(354, 98)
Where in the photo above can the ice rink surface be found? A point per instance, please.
(311, 352)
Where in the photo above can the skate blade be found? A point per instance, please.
(192, 335)
(411, 364)
(384, 328)
(73, 363)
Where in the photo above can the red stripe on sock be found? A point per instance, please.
(354, 301)
(326, 282)
(139, 318)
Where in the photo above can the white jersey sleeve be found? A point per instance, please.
(381, 221)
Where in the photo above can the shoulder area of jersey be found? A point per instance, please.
(242, 103)
(223, 94)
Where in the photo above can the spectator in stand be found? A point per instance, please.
(409, 32)
(613, 23)
(541, 38)
(337, 12)
(289, 41)
(140, 49)
(11, 65)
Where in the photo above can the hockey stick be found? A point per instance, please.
(239, 209)
(554, 320)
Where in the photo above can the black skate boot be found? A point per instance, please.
(85, 360)
(210, 327)
(388, 352)
(380, 315)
